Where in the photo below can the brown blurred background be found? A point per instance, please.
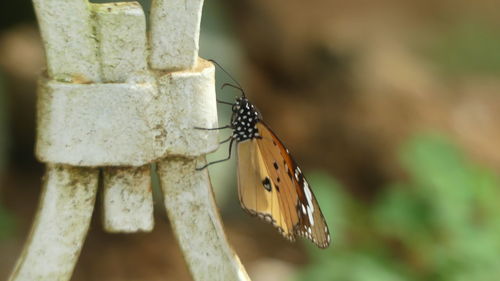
(392, 107)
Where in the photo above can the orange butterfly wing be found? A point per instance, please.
(258, 195)
(272, 187)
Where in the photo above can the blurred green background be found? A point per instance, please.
(391, 108)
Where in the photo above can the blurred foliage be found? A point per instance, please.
(3, 126)
(6, 220)
(7, 224)
(441, 224)
(469, 47)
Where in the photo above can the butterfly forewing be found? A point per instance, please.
(258, 195)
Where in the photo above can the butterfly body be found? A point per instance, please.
(244, 120)
(270, 184)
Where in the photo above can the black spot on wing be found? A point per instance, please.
(267, 184)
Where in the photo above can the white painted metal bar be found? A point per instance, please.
(121, 36)
(95, 124)
(127, 124)
(70, 45)
(175, 33)
(68, 198)
(191, 99)
(196, 222)
(127, 199)
(60, 226)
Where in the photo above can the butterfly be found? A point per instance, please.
(270, 184)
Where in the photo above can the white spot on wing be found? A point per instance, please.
(308, 193)
(310, 214)
(310, 206)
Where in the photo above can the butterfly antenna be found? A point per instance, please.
(232, 86)
(230, 76)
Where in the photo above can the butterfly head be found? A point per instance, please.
(244, 120)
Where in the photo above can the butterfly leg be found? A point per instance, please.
(224, 102)
(210, 129)
(226, 140)
(221, 160)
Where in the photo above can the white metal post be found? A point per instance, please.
(101, 108)
(60, 226)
